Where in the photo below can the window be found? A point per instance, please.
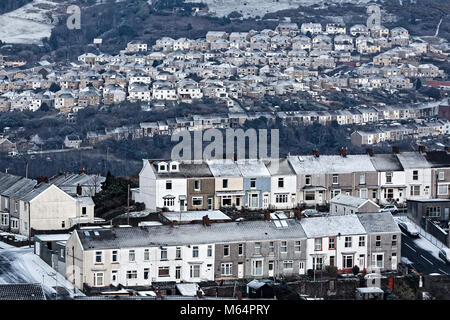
(195, 252)
(433, 212)
(177, 272)
(280, 182)
(195, 271)
(98, 257)
(5, 219)
(169, 185)
(362, 241)
(271, 247)
(257, 268)
(348, 242)
(225, 183)
(131, 274)
(197, 201)
(348, 261)
(252, 183)
(114, 256)
(362, 178)
(441, 175)
(227, 269)
(363, 193)
(310, 195)
(394, 240)
(257, 247)
(389, 193)
(164, 254)
(83, 211)
(63, 224)
(253, 200)
(163, 272)
(415, 175)
(178, 253)
(146, 255)
(226, 201)
(197, 185)
(283, 246)
(281, 198)
(226, 250)
(336, 192)
(240, 249)
(377, 260)
(317, 263)
(131, 255)
(146, 272)
(308, 180)
(298, 246)
(318, 244)
(332, 243)
(169, 202)
(98, 279)
(288, 264)
(335, 179)
(415, 191)
(388, 177)
(209, 251)
(442, 190)
(378, 241)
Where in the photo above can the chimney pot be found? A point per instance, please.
(79, 190)
(395, 149)
(316, 153)
(369, 151)
(267, 216)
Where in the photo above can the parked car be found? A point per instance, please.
(389, 208)
(444, 254)
(312, 213)
(408, 228)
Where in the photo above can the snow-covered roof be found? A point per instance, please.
(223, 168)
(331, 164)
(188, 289)
(347, 200)
(252, 168)
(327, 226)
(413, 160)
(378, 222)
(52, 237)
(190, 216)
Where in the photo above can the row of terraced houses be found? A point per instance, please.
(306, 180)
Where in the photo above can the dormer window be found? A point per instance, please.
(174, 166)
(162, 167)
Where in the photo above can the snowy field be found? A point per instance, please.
(30, 23)
(253, 8)
(21, 265)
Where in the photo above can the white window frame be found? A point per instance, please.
(197, 199)
(97, 276)
(226, 269)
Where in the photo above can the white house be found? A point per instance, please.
(283, 192)
(161, 185)
(343, 204)
(338, 241)
(417, 172)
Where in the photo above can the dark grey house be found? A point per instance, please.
(52, 249)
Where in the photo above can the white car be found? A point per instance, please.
(408, 228)
(389, 208)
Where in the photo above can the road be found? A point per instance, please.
(422, 260)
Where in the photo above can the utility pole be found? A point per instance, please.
(128, 205)
(26, 168)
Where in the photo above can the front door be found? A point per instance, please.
(271, 267)
(210, 203)
(301, 268)
(361, 261)
(265, 201)
(240, 270)
(394, 261)
(320, 197)
(182, 206)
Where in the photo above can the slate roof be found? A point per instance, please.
(378, 222)
(223, 168)
(438, 159)
(332, 226)
(386, 162)
(331, 164)
(413, 160)
(130, 237)
(252, 168)
(22, 291)
(348, 200)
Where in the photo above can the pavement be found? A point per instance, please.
(423, 260)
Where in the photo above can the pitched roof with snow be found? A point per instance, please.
(331, 164)
(332, 226)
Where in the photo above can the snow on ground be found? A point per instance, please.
(253, 8)
(21, 265)
(31, 22)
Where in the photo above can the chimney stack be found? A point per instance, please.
(316, 153)
(199, 294)
(447, 148)
(395, 149)
(79, 190)
(82, 170)
(343, 152)
(422, 148)
(267, 216)
(159, 294)
(206, 221)
(42, 179)
(369, 151)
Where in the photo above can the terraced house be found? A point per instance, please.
(274, 247)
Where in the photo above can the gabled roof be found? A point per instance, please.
(332, 226)
(347, 200)
(378, 222)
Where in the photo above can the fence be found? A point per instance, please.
(427, 235)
